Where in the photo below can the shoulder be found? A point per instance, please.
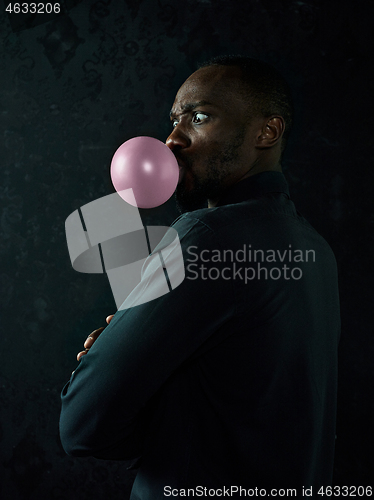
(264, 221)
(248, 213)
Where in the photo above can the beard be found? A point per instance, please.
(210, 185)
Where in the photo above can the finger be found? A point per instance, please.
(92, 337)
(89, 342)
(109, 318)
(80, 354)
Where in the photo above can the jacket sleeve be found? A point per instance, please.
(107, 398)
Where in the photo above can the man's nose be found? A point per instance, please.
(177, 139)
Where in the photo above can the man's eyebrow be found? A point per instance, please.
(190, 106)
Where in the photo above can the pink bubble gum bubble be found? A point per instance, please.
(147, 167)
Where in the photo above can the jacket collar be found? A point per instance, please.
(255, 185)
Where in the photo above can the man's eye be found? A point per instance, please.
(199, 117)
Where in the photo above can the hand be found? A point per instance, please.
(91, 339)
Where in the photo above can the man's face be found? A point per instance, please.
(211, 138)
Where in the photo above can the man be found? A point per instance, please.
(228, 382)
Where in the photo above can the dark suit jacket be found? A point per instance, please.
(231, 378)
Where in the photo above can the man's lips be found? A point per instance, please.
(182, 170)
(181, 173)
(180, 163)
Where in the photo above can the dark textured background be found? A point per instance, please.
(77, 85)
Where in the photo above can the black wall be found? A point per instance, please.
(73, 88)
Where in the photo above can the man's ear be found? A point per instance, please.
(271, 132)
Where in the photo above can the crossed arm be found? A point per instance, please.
(127, 362)
(90, 340)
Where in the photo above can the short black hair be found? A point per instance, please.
(266, 90)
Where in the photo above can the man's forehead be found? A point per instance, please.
(213, 85)
(215, 74)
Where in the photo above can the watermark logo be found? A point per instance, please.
(267, 264)
(108, 236)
